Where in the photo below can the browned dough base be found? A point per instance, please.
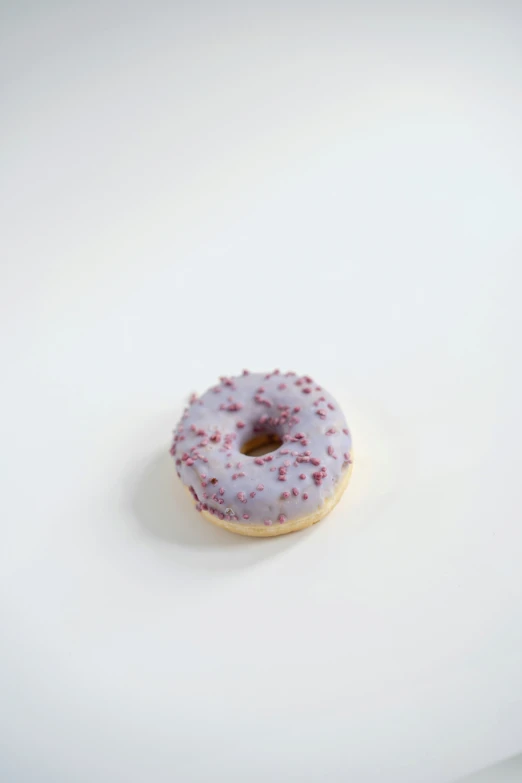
(292, 525)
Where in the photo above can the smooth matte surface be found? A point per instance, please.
(509, 771)
(190, 189)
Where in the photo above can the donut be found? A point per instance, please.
(263, 454)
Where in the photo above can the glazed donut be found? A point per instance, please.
(220, 451)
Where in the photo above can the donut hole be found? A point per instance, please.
(261, 444)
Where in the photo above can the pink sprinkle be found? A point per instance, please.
(240, 425)
(241, 474)
(259, 461)
(234, 476)
(297, 409)
(331, 451)
(221, 515)
(272, 470)
(346, 432)
(246, 372)
(299, 382)
(252, 494)
(190, 461)
(331, 431)
(315, 461)
(185, 457)
(242, 497)
(332, 407)
(307, 390)
(299, 435)
(287, 463)
(239, 464)
(268, 521)
(307, 453)
(281, 518)
(221, 491)
(305, 495)
(261, 390)
(285, 451)
(295, 491)
(321, 412)
(282, 386)
(268, 458)
(228, 465)
(260, 487)
(246, 516)
(302, 476)
(285, 495)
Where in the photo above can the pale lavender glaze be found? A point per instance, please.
(289, 483)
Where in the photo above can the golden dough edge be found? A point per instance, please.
(292, 525)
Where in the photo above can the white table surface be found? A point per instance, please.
(189, 189)
(507, 771)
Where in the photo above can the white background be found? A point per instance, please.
(190, 189)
